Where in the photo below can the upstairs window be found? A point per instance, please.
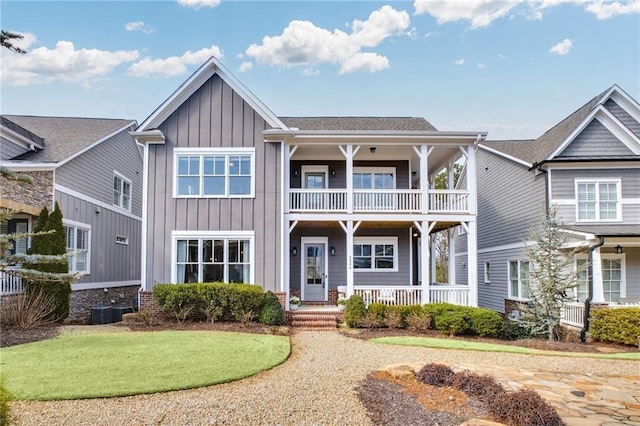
(121, 192)
(214, 173)
(598, 200)
(374, 178)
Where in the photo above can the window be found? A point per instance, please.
(214, 172)
(582, 278)
(121, 192)
(519, 279)
(214, 259)
(598, 201)
(375, 254)
(374, 178)
(78, 243)
(612, 278)
(16, 226)
(487, 272)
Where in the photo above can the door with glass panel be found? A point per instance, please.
(315, 178)
(314, 269)
(372, 188)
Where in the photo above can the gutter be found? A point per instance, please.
(587, 302)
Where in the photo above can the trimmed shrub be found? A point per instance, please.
(436, 375)
(420, 322)
(437, 309)
(378, 311)
(513, 330)
(393, 319)
(524, 408)
(271, 312)
(619, 325)
(454, 323)
(370, 320)
(354, 311)
(485, 322)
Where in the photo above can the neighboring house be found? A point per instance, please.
(93, 169)
(307, 206)
(588, 167)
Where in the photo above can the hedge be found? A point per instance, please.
(619, 325)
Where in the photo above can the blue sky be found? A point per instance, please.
(513, 68)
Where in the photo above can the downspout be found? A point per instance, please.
(587, 302)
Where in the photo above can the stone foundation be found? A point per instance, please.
(82, 301)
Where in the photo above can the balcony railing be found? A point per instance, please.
(454, 294)
(10, 284)
(412, 295)
(378, 201)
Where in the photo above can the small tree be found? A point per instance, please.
(551, 275)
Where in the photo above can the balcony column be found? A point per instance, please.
(472, 262)
(451, 263)
(472, 180)
(432, 251)
(349, 151)
(597, 295)
(423, 155)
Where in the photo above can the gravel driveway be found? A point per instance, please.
(314, 387)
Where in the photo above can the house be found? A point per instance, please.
(305, 206)
(92, 168)
(588, 167)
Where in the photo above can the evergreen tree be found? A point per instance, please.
(6, 38)
(39, 226)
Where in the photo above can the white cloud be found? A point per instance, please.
(197, 4)
(173, 65)
(481, 65)
(562, 48)
(479, 12)
(302, 43)
(606, 10)
(459, 62)
(245, 66)
(139, 26)
(62, 64)
(310, 71)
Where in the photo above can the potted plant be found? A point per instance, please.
(294, 303)
(342, 303)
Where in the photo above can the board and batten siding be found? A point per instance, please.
(110, 262)
(92, 172)
(214, 116)
(595, 140)
(9, 150)
(563, 188)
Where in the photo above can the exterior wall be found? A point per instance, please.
(492, 295)
(563, 189)
(339, 181)
(214, 116)
(30, 198)
(109, 262)
(595, 140)
(9, 150)
(623, 116)
(632, 265)
(92, 172)
(82, 301)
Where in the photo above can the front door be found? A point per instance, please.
(314, 269)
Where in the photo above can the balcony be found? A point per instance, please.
(451, 201)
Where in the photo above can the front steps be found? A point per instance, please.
(315, 318)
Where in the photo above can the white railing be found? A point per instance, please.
(572, 313)
(10, 284)
(448, 201)
(401, 295)
(454, 294)
(318, 200)
(385, 200)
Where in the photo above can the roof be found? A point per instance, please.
(21, 131)
(537, 150)
(359, 123)
(616, 230)
(64, 137)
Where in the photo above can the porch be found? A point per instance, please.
(9, 283)
(413, 295)
(572, 313)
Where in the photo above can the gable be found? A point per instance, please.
(596, 141)
(624, 117)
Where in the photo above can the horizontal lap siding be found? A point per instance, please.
(215, 116)
(492, 295)
(623, 116)
(9, 150)
(108, 261)
(632, 264)
(594, 141)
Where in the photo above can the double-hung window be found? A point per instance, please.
(214, 172)
(213, 257)
(519, 279)
(78, 244)
(598, 200)
(121, 191)
(582, 279)
(375, 253)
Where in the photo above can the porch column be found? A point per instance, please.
(451, 263)
(423, 227)
(432, 242)
(286, 258)
(349, 228)
(472, 262)
(596, 267)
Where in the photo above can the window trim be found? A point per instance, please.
(372, 240)
(85, 227)
(202, 152)
(510, 293)
(487, 272)
(597, 182)
(372, 171)
(204, 235)
(623, 270)
(313, 169)
(123, 179)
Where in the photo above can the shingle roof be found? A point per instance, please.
(607, 230)
(64, 136)
(21, 130)
(359, 123)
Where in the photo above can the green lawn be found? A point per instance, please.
(429, 342)
(119, 364)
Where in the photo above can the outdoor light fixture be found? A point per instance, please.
(333, 173)
(332, 250)
(295, 172)
(294, 251)
(618, 249)
(372, 149)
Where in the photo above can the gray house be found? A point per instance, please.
(305, 206)
(93, 169)
(588, 166)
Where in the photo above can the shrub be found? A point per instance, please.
(436, 375)
(5, 397)
(483, 387)
(27, 310)
(454, 323)
(355, 311)
(271, 312)
(393, 319)
(485, 322)
(619, 325)
(378, 311)
(513, 330)
(437, 309)
(524, 408)
(420, 322)
(370, 320)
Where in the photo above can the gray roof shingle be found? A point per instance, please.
(64, 136)
(359, 123)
